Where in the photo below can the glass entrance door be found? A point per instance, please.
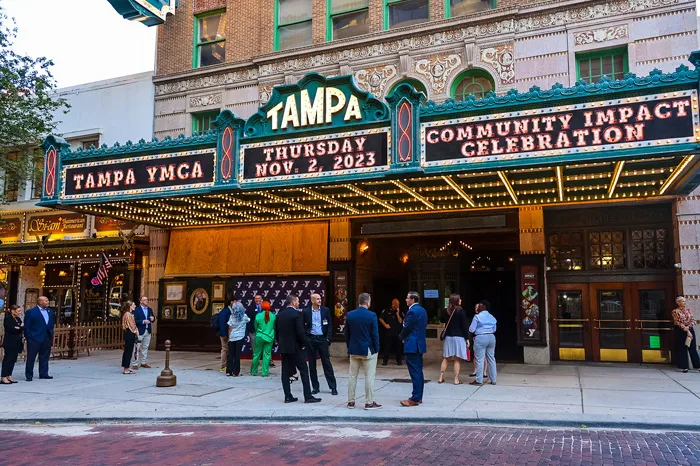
(571, 322)
(612, 318)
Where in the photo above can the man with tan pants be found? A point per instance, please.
(222, 332)
(362, 338)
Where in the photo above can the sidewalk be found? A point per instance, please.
(604, 395)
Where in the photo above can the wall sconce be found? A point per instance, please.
(678, 265)
(404, 258)
(364, 247)
(42, 273)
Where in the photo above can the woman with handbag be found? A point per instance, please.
(685, 336)
(455, 337)
(12, 342)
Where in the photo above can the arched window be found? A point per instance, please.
(417, 85)
(475, 82)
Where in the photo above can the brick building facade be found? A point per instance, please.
(215, 55)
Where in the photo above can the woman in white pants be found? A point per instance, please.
(484, 327)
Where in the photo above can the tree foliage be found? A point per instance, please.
(27, 107)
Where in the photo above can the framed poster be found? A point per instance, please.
(217, 307)
(218, 290)
(175, 292)
(182, 312)
(530, 314)
(167, 313)
(199, 301)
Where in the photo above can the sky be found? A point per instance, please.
(86, 39)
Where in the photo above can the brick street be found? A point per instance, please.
(326, 444)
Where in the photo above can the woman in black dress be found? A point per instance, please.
(12, 342)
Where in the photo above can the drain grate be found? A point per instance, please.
(405, 381)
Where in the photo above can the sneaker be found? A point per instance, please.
(223, 369)
(373, 405)
(351, 405)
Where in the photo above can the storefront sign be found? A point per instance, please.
(593, 126)
(10, 229)
(41, 225)
(105, 224)
(152, 173)
(529, 315)
(335, 154)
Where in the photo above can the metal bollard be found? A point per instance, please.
(166, 377)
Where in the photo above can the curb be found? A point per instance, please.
(590, 424)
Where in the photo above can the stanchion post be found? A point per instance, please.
(166, 377)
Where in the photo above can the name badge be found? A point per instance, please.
(325, 322)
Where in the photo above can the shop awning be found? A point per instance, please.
(67, 249)
(614, 141)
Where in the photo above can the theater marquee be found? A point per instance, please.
(137, 175)
(318, 156)
(643, 121)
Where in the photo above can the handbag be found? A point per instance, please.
(443, 334)
(688, 341)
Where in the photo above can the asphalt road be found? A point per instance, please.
(349, 444)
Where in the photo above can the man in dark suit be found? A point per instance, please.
(317, 324)
(144, 317)
(414, 346)
(251, 312)
(362, 338)
(38, 330)
(289, 332)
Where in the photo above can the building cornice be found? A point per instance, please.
(482, 26)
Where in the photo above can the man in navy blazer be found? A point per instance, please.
(144, 317)
(317, 325)
(362, 339)
(222, 331)
(38, 330)
(414, 345)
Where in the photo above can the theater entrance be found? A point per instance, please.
(476, 265)
(612, 322)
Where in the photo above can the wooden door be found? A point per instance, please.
(611, 317)
(653, 325)
(570, 322)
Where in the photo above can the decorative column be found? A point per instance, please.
(157, 257)
(533, 330)
(686, 229)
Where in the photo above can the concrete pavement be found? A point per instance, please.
(604, 395)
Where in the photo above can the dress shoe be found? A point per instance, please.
(385, 363)
(28, 379)
(315, 391)
(272, 364)
(145, 366)
(313, 400)
(373, 405)
(409, 403)
(474, 382)
(291, 400)
(135, 367)
(47, 377)
(399, 363)
(334, 392)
